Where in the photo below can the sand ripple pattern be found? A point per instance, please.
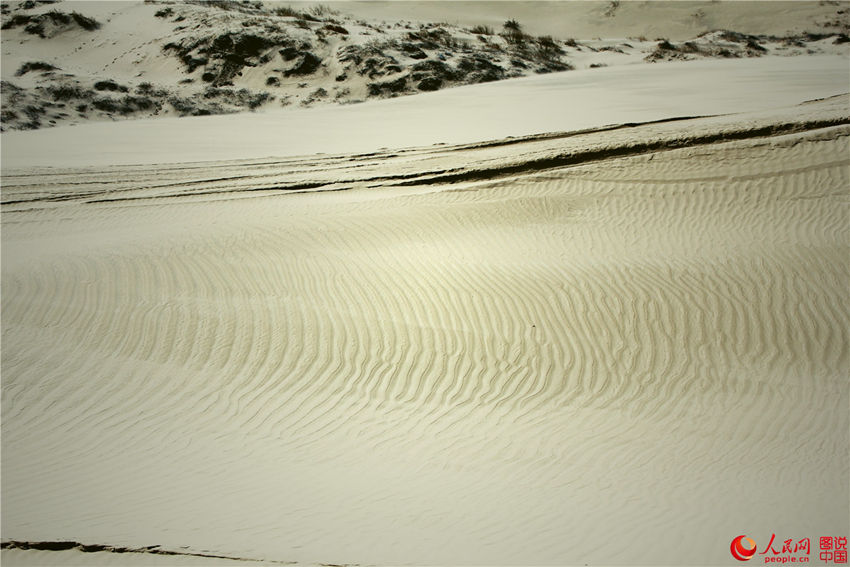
(562, 366)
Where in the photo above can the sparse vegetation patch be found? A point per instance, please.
(227, 51)
(51, 23)
(34, 66)
(110, 85)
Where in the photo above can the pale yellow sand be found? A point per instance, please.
(594, 18)
(628, 361)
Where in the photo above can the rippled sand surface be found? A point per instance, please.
(625, 346)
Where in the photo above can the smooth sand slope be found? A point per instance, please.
(517, 107)
(585, 349)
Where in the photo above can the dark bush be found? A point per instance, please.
(431, 68)
(289, 53)
(552, 67)
(809, 36)
(131, 104)
(232, 51)
(184, 106)
(34, 113)
(548, 46)
(429, 84)
(513, 32)
(16, 21)
(34, 66)
(376, 64)
(110, 85)
(336, 29)
(736, 37)
(37, 25)
(241, 98)
(322, 11)
(482, 30)
(106, 104)
(69, 92)
(413, 51)
(231, 5)
(317, 94)
(512, 26)
(149, 90)
(754, 45)
(388, 87)
(307, 65)
(126, 105)
(88, 24)
(287, 12)
(690, 47)
(479, 69)
(193, 63)
(238, 48)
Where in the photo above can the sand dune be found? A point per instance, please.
(67, 63)
(626, 359)
(518, 107)
(591, 18)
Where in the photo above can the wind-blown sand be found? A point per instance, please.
(622, 346)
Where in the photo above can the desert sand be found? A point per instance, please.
(552, 366)
(69, 63)
(598, 317)
(586, 19)
(555, 102)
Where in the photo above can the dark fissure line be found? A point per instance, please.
(93, 548)
(456, 175)
(579, 158)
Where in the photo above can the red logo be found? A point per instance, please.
(740, 551)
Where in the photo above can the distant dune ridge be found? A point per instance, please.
(585, 19)
(74, 62)
(590, 317)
